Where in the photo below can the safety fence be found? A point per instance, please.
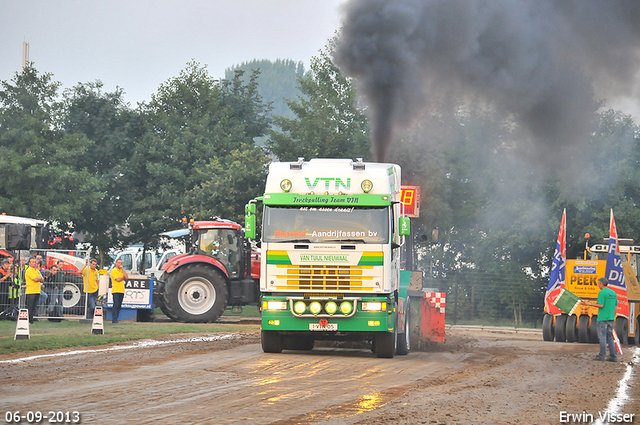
(491, 298)
(62, 294)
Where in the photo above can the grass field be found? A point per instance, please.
(66, 334)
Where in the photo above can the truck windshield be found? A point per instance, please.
(326, 224)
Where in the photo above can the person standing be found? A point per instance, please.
(55, 283)
(607, 302)
(6, 279)
(118, 277)
(90, 276)
(33, 279)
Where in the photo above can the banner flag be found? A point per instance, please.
(556, 277)
(614, 271)
(567, 301)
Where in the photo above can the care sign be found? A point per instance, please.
(138, 294)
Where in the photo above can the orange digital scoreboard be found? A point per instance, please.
(410, 197)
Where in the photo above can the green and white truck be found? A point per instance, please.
(330, 255)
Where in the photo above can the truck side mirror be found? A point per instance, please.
(250, 221)
(405, 226)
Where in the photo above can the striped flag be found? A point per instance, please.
(616, 342)
(614, 271)
(556, 277)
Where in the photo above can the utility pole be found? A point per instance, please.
(25, 54)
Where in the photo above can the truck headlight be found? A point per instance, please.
(346, 307)
(315, 307)
(331, 307)
(299, 307)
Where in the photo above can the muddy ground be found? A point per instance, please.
(476, 377)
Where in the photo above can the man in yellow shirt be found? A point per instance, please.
(118, 277)
(34, 280)
(90, 277)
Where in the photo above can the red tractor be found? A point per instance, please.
(220, 270)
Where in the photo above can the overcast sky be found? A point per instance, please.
(138, 44)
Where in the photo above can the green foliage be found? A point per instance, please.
(41, 174)
(328, 122)
(112, 128)
(238, 176)
(277, 81)
(187, 161)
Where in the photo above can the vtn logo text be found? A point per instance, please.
(327, 181)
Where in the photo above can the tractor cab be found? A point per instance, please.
(222, 243)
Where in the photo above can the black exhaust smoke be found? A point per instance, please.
(544, 62)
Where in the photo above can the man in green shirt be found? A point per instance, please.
(607, 302)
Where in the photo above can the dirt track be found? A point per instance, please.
(476, 377)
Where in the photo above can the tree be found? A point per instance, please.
(328, 121)
(277, 81)
(196, 130)
(41, 176)
(113, 129)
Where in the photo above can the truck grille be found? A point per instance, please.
(324, 278)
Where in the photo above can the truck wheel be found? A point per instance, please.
(271, 342)
(561, 328)
(386, 343)
(583, 329)
(593, 330)
(548, 331)
(195, 294)
(622, 329)
(572, 328)
(404, 343)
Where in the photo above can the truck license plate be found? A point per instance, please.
(318, 327)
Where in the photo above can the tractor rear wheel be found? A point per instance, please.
(196, 294)
(168, 313)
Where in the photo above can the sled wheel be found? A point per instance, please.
(583, 329)
(548, 330)
(561, 328)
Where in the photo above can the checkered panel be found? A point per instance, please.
(436, 300)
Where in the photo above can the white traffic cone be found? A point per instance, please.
(97, 327)
(22, 327)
